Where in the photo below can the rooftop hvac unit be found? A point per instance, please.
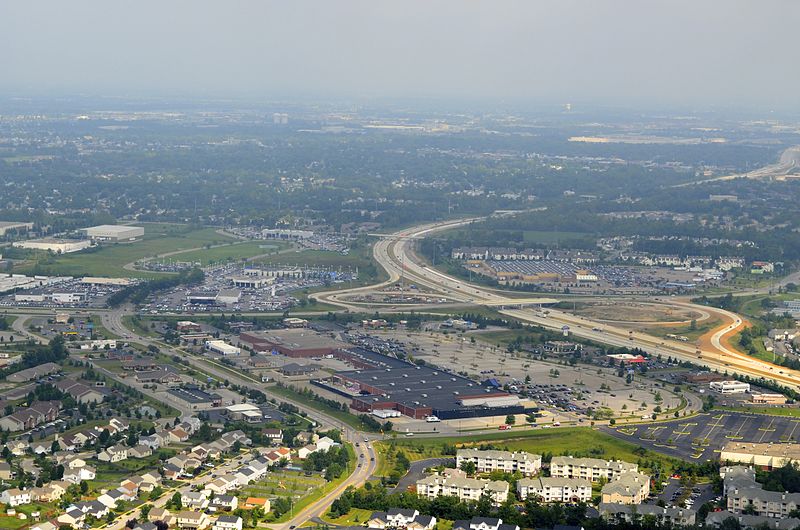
(391, 384)
(408, 389)
(405, 375)
(374, 378)
(452, 379)
(416, 403)
(435, 373)
(424, 395)
(455, 392)
(439, 387)
(422, 381)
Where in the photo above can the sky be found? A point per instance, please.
(651, 52)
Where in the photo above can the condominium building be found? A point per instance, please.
(626, 488)
(663, 515)
(555, 489)
(455, 483)
(487, 461)
(762, 502)
(592, 469)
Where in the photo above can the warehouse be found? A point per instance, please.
(221, 347)
(114, 232)
(194, 396)
(296, 343)
(6, 226)
(766, 455)
(58, 246)
(419, 391)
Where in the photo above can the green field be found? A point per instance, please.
(233, 252)
(578, 441)
(110, 260)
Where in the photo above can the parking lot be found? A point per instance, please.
(701, 437)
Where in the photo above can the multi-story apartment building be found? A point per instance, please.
(455, 483)
(592, 469)
(555, 489)
(487, 461)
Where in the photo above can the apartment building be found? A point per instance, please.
(555, 489)
(487, 461)
(455, 483)
(592, 469)
(626, 488)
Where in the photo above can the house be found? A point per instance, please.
(115, 453)
(74, 462)
(72, 517)
(195, 500)
(191, 520)
(221, 485)
(15, 497)
(273, 435)
(228, 522)
(178, 435)
(627, 488)
(67, 443)
(224, 502)
(41, 448)
(75, 476)
(93, 508)
(401, 519)
(50, 492)
(257, 502)
(45, 525)
(17, 447)
(111, 498)
(140, 451)
(159, 514)
(246, 475)
(483, 523)
(5, 471)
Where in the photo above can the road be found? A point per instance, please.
(366, 458)
(396, 255)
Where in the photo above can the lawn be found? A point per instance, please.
(578, 441)
(234, 252)
(358, 258)
(791, 412)
(111, 259)
(344, 417)
(355, 517)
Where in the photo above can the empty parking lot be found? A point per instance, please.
(701, 437)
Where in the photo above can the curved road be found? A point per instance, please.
(395, 254)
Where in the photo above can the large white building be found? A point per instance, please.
(592, 469)
(455, 483)
(729, 387)
(221, 347)
(58, 246)
(766, 455)
(488, 461)
(555, 489)
(114, 232)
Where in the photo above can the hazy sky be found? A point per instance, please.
(616, 51)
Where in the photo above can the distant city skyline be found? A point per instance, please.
(616, 52)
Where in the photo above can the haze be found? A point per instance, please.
(677, 52)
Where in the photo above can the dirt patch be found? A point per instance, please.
(637, 312)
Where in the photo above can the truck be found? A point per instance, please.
(432, 419)
(504, 427)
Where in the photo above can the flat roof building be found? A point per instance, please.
(295, 343)
(221, 347)
(766, 455)
(113, 232)
(729, 387)
(58, 246)
(6, 226)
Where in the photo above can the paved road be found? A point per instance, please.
(416, 471)
(396, 255)
(366, 458)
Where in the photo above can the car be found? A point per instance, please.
(372, 459)
(409, 434)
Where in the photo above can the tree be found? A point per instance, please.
(145, 510)
(511, 419)
(175, 501)
(469, 467)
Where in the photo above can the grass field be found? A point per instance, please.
(231, 253)
(339, 414)
(355, 517)
(578, 441)
(769, 411)
(684, 330)
(110, 260)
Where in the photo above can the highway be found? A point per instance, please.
(396, 255)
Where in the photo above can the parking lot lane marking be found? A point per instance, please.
(736, 435)
(714, 426)
(766, 429)
(794, 427)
